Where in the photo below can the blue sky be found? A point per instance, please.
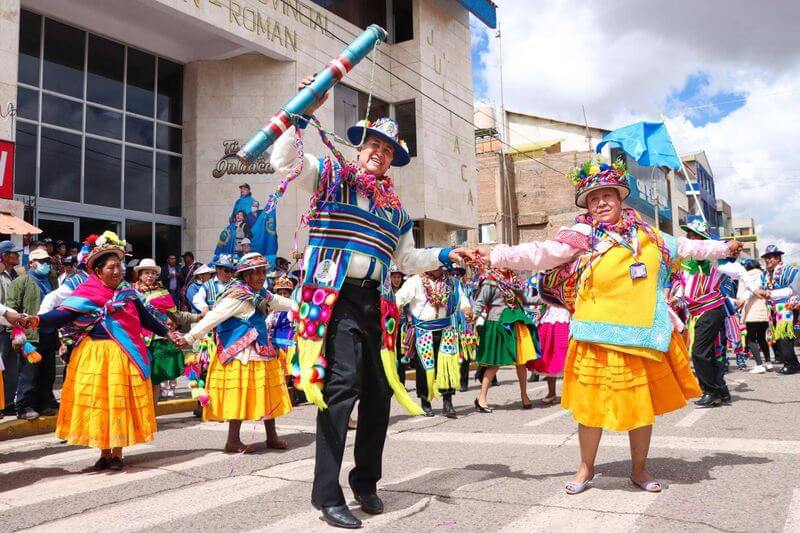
(480, 44)
(712, 107)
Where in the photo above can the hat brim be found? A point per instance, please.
(580, 199)
(776, 252)
(401, 156)
(156, 268)
(92, 259)
(703, 234)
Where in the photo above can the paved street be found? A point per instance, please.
(733, 468)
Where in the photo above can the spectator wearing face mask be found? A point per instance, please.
(25, 295)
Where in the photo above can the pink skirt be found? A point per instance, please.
(554, 341)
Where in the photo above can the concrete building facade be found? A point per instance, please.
(126, 107)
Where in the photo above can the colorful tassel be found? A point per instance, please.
(389, 360)
(29, 350)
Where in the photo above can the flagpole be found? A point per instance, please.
(695, 192)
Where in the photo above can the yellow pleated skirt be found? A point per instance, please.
(246, 392)
(610, 389)
(105, 402)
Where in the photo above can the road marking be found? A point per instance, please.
(250, 428)
(792, 524)
(689, 420)
(63, 458)
(151, 511)
(80, 483)
(749, 446)
(608, 509)
(548, 418)
(310, 520)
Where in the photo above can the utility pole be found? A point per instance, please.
(508, 219)
(586, 124)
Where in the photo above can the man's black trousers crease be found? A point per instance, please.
(36, 380)
(354, 373)
(710, 371)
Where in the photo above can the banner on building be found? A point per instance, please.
(6, 170)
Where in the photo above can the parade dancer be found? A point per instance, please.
(207, 294)
(625, 364)
(245, 380)
(710, 317)
(779, 284)
(106, 400)
(508, 336)
(435, 299)
(553, 334)
(347, 320)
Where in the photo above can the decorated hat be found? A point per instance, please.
(386, 129)
(283, 282)
(772, 249)
(148, 264)
(394, 268)
(251, 261)
(204, 269)
(224, 261)
(597, 174)
(699, 227)
(107, 243)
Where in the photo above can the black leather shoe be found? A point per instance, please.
(464, 387)
(340, 516)
(447, 407)
(726, 398)
(426, 406)
(102, 464)
(709, 400)
(116, 464)
(786, 370)
(27, 414)
(49, 411)
(370, 503)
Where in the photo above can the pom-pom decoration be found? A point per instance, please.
(29, 350)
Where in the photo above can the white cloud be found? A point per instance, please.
(623, 59)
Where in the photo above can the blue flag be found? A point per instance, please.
(646, 142)
(252, 223)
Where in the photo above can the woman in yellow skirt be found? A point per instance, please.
(625, 364)
(106, 400)
(245, 379)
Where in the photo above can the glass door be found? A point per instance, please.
(58, 227)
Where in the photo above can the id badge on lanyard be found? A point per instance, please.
(638, 270)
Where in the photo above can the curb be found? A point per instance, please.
(14, 428)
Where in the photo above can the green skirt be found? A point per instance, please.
(498, 340)
(167, 361)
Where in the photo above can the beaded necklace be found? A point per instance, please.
(437, 291)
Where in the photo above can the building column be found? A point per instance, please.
(9, 57)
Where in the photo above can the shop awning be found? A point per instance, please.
(485, 10)
(11, 225)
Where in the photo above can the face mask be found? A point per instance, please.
(43, 269)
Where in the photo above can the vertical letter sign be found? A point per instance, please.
(6, 169)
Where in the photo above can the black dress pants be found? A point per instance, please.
(354, 373)
(710, 371)
(36, 380)
(784, 351)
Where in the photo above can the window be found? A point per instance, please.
(111, 130)
(168, 241)
(417, 233)
(487, 233)
(30, 40)
(402, 20)
(139, 235)
(460, 236)
(357, 12)
(406, 116)
(683, 216)
(350, 106)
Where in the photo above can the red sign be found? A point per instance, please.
(6, 170)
